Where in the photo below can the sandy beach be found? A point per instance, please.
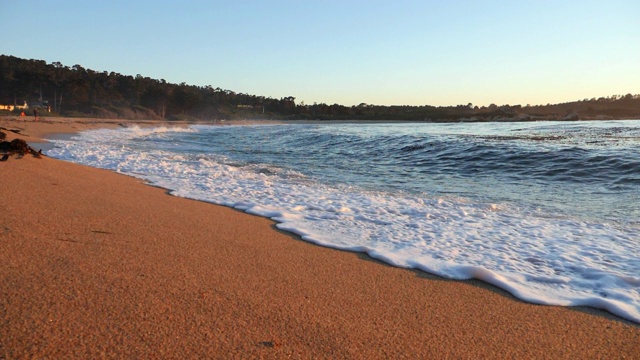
(95, 264)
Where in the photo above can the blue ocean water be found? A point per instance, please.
(548, 211)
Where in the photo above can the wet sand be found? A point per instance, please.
(94, 264)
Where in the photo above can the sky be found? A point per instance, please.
(401, 52)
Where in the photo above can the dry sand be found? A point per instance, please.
(98, 265)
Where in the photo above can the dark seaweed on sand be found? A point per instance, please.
(16, 146)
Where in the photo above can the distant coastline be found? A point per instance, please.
(59, 90)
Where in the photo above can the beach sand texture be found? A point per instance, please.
(94, 264)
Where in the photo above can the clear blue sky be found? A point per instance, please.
(416, 52)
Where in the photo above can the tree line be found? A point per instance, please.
(76, 91)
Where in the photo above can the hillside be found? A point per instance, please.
(76, 91)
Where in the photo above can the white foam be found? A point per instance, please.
(540, 260)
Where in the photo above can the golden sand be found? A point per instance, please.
(94, 264)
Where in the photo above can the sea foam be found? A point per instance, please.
(551, 259)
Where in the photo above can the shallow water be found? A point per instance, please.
(548, 211)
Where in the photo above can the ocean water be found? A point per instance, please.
(548, 211)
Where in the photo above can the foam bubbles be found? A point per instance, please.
(545, 260)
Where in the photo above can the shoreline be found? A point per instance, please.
(226, 282)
